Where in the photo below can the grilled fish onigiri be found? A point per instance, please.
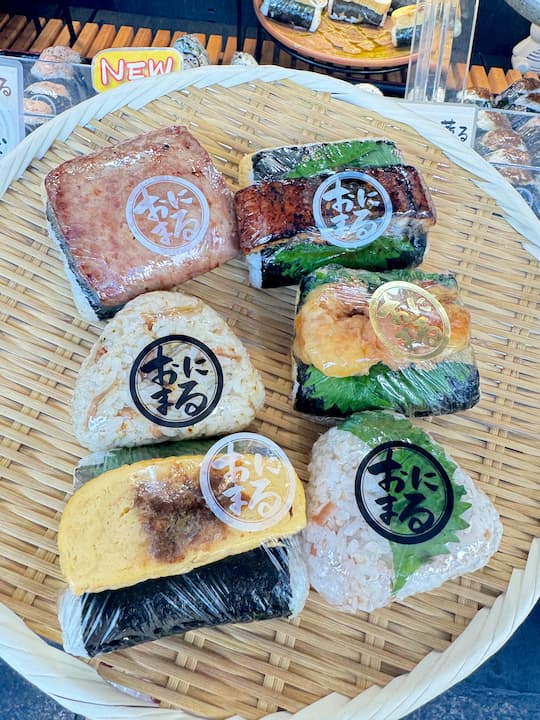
(166, 366)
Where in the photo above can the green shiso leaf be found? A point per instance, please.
(99, 463)
(376, 428)
(294, 259)
(370, 280)
(362, 153)
(446, 387)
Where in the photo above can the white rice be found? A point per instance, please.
(348, 562)
(254, 263)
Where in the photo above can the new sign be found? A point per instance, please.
(116, 66)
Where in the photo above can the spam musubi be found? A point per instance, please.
(369, 341)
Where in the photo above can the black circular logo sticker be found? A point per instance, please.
(176, 381)
(403, 492)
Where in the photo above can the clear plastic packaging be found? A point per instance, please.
(352, 202)
(522, 96)
(366, 341)
(510, 141)
(162, 539)
(146, 214)
(390, 514)
(165, 516)
(53, 82)
(166, 366)
(264, 583)
(303, 14)
(442, 41)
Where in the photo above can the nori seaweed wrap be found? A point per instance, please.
(302, 14)
(368, 341)
(268, 582)
(370, 12)
(404, 22)
(293, 161)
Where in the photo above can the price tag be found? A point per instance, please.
(117, 66)
(458, 119)
(11, 105)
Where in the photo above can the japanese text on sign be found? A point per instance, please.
(409, 321)
(459, 119)
(248, 482)
(351, 209)
(176, 381)
(167, 214)
(404, 493)
(11, 105)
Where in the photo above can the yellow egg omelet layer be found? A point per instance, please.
(150, 520)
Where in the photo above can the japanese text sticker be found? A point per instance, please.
(404, 493)
(351, 209)
(176, 381)
(167, 214)
(409, 321)
(248, 481)
(11, 105)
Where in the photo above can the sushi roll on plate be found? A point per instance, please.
(302, 14)
(404, 22)
(370, 12)
(390, 514)
(368, 341)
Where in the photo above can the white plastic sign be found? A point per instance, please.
(459, 119)
(11, 105)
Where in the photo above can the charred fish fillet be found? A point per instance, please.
(281, 209)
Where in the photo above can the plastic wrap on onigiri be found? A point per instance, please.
(267, 582)
(351, 202)
(371, 341)
(167, 366)
(166, 538)
(390, 514)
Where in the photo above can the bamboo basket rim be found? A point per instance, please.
(88, 693)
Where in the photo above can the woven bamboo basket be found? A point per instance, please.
(324, 663)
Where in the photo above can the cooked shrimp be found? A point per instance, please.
(334, 331)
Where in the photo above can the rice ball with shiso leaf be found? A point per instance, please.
(390, 514)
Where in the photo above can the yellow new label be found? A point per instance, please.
(409, 321)
(116, 66)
